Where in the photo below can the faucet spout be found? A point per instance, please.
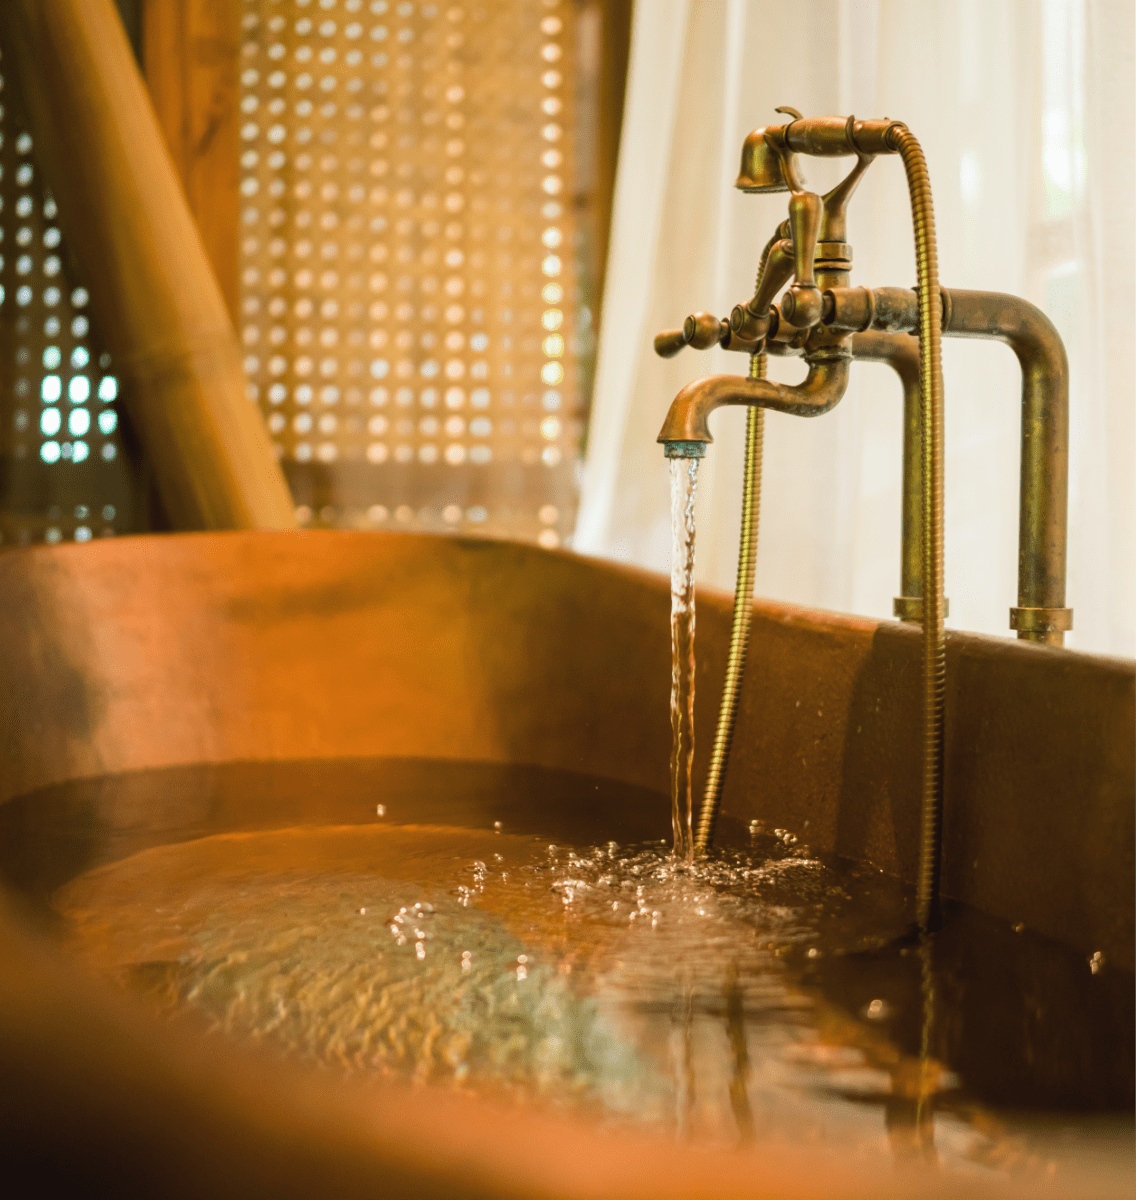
(821, 390)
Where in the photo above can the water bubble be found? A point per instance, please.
(878, 1010)
(496, 826)
(381, 810)
(1096, 962)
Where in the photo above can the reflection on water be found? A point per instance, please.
(598, 980)
(366, 916)
(601, 980)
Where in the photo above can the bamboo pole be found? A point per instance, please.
(161, 312)
(191, 63)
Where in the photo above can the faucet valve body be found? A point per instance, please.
(821, 316)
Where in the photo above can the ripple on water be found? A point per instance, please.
(607, 980)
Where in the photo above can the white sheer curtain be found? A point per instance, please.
(1025, 111)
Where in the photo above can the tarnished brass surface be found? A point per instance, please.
(901, 353)
(809, 320)
(814, 219)
(761, 171)
(1042, 509)
(700, 330)
(1040, 614)
(821, 390)
(160, 651)
(933, 457)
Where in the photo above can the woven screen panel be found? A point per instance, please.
(64, 473)
(415, 214)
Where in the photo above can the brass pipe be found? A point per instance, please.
(934, 638)
(822, 389)
(162, 313)
(1040, 614)
(900, 351)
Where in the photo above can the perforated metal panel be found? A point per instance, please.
(63, 472)
(413, 211)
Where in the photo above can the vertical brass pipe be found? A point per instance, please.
(743, 603)
(934, 639)
(901, 352)
(1040, 614)
(160, 310)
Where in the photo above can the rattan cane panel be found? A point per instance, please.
(64, 472)
(409, 259)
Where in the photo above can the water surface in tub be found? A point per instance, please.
(459, 924)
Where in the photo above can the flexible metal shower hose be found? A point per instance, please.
(934, 638)
(739, 633)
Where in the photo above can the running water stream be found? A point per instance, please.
(684, 483)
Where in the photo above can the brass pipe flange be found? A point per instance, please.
(1048, 624)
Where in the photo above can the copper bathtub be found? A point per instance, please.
(213, 649)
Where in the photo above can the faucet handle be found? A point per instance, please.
(700, 330)
(670, 342)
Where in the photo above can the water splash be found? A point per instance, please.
(684, 482)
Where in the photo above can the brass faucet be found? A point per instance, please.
(828, 322)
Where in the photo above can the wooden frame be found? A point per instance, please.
(190, 56)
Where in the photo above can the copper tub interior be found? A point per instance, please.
(157, 690)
